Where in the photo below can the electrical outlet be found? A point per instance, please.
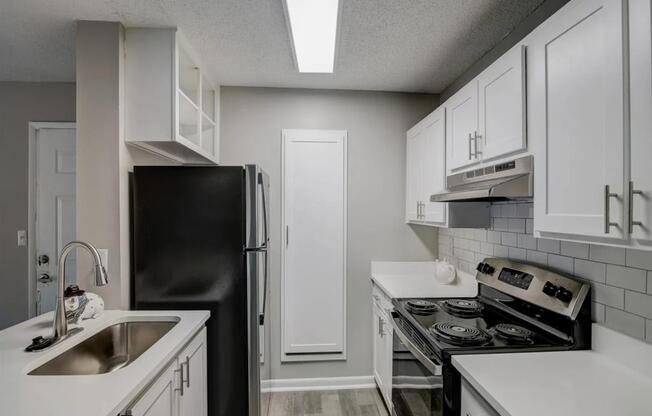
(21, 238)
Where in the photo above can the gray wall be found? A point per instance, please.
(621, 279)
(251, 123)
(20, 103)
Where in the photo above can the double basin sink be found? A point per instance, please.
(111, 349)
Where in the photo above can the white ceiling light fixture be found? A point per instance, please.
(313, 25)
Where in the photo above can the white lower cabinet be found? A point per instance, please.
(473, 404)
(382, 345)
(180, 390)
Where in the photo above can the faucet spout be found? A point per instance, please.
(60, 325)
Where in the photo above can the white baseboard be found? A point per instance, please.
(328, 383)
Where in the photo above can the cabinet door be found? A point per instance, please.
(192, 363)
(473, 404)
(640, 38)
(161, 397)
(413, 175)
(433, 159)
(378, 347)
(461, 127)
(501, 103)
(387, 336)
(575, 79)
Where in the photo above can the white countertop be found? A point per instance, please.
(417, 280)
(97, 395)
(615, 378)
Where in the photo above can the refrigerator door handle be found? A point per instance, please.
(263, 186)
(261, 317)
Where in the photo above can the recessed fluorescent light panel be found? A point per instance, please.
(313, 24)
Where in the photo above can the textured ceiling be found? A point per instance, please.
(388, 45)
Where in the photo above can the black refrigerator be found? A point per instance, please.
(199, 241)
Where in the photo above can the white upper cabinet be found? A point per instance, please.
(640, 41)
(172, 107)
(575, 91)
(486, 118)
(462, 127)
(501, 103)
(426, 175)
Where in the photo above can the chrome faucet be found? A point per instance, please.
(60, 325)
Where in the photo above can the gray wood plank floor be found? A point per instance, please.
(361, 402)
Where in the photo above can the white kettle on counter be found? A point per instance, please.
(444, 272)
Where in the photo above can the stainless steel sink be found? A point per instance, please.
(112, 348)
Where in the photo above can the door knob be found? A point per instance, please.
(43, 259)
(45, 278)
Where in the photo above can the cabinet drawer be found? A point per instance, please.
(381, 299)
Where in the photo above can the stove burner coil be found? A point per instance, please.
(459, 334)
(513, 332)
(463, 307)
(421, 307)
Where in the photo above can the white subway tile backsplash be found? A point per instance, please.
(516, 225)
(621, 279)
(549, 246)
(634, 279)
(480, 235)
(487, 248)
(638, 303)
(609, 295)
(640, 259)
(625, 322)
(509, 239)
(500, 251)
(578, 250)
(537, 257)
(606, 254)
(561, 263)
(597, 312)
(527, 242)
(591, 270)
(501, 224)
(517, 253)
(493, 237)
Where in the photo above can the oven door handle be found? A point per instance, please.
(435, 369)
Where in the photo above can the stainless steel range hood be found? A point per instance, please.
(501, 182)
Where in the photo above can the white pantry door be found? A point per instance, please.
(55, 210)
(314, 241)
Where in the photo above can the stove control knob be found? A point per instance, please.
(485, 268)
(550, 289)
(564, 294)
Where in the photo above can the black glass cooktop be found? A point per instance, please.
(457, 326)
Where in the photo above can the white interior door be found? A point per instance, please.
(314, 247)
(575, 66)
(55, 210)
(461, 127)
(640, 38)
(434, 166)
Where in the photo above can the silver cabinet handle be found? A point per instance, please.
(633, 192)
(187, 372)
(180, 371)
(380, 326)
(287, 236)
(607, 209)
(476, 136)
(470, 154)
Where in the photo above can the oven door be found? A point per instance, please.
(417, 383)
